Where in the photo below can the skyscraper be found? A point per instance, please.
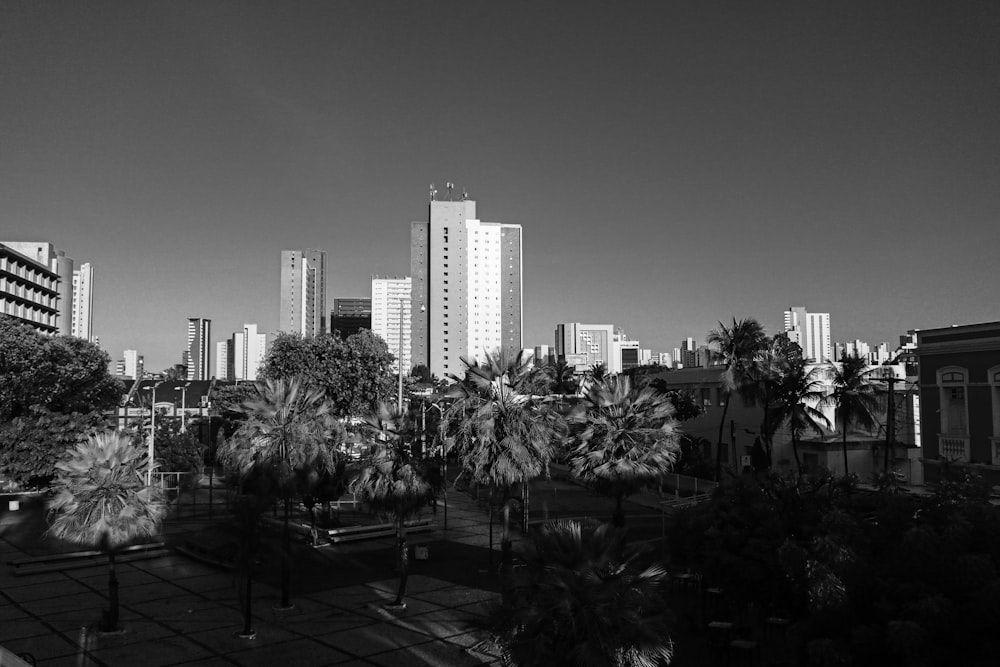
(303, 292)
(390, 316)
(198, 350)
(811, 331)
(249, 349)
(466, 286)
(224, 361)
(83, 302)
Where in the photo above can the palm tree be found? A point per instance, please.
(629, 438)
(583, 598)
(737, 345)
(289, 427)
(854, 395)
(102, 500)
(503, 435)
(799, 396)
(393, 482)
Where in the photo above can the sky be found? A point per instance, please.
(672, 164)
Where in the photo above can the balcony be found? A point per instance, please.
(954, 447)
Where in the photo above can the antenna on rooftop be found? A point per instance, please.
(433, 192)
(450, 186)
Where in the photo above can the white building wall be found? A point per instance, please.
(83, 302)
(391, 312)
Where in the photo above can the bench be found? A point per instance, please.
(374, 531)
(79, 559)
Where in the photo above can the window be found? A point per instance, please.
(994, 377)
(954, 406)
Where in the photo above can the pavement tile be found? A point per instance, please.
(165, 651)
(42, 647)
(136, 631)
(371, 639)
(456, 596)
(209, 662)
(223, 640)
(207, 582)
(468, 639)
(442, 623)
(414, 584)
(50, 589)
(300, 652)
(431, 653)
(11, 612)
(159, 590)
(413, 606)
(479, 608)
(98, 577)
(22, 627)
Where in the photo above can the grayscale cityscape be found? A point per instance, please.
(516, 334)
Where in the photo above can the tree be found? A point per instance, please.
(799, 396)
(737, 345)
(102, 501)
(854, 396)
(629, 438)
(288, 428)
(355, 373)
(393, 482)
(584, 598)
(503, 436)
(555, 377)
(61, 374)
(33, 443)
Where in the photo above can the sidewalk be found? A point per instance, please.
(179, 611)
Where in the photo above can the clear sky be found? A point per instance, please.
(672, 163)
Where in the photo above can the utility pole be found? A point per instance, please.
(890, 427)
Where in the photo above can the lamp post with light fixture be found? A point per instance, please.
(152, 433)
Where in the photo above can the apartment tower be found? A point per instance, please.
(390, 317)
(303, 292)
(466, 287)
(812, 332)
(199, 349)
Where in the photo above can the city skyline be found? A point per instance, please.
(671, 166)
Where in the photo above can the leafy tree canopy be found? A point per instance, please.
(58, 373)
(355, 372)
(33, 443)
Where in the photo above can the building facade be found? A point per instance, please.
(349, 316)
(249, 349)
(198, 353)
(81, 324)
(587, 344)
(29, 290)
(391, 305)
(466, 288)
(303, 292)
(812, 332)
(224, 361)
(959, 371)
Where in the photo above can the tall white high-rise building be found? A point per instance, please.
(466, 287)
(391, 303)
(46, 254)
(133, 365)
(199, 350)
(224, 361)
(83, 302)
(249, 350)
(303, 292)
(811, 331)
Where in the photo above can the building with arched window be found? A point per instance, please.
(960, 399)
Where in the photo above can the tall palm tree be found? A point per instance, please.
(584, 598)
(289, 427)
(737, 346)
(799, 396)
(102, 500)
(854, 396)
(393, 482)
(503, 435)
(629, 438)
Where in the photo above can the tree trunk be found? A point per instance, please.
(795, 450)
(111, 621)
(286, 569)
(404, 559)
(718, 448)
(248, 632)
(618, 520)
(845, 447)
(506, 552)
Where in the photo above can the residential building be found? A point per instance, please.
(81, 324)
(225, 362)
(390, 317)
(959, 372)
(303, 292)
(624, 353)
(689, 353)
(811, 331)
(544, 354)
(131, 365)
(249, 350)
(587, 344)
(29, 290)
(199, 349)
(677, 358)
(466, 287)
(349, 316)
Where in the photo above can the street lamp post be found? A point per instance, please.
(441, 449)
(399, 361)
(152, 434)
(183, 389)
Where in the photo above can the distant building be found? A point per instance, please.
(224, 360)
(391, 318)
(131, 365)
(678, 358)
(812, 332)
(199, 351)
(249, 350)
(81, 324)
(624, 353)
(349, 316)
(466, 287)
(689, 353)
(959, 371)
(303, 292)
(588, 344)
(29, 290)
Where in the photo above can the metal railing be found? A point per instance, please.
(954, 447)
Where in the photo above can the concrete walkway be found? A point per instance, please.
(176, 610)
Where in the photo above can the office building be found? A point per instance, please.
(587, 344)
(303, 292)
(466, 287)
(390, 317)
(131, 365)
(249, 349)
(349, 316)
(29, 290)
(624, 353)
(198, 352)
(812, 332)
(224, 360)
(689, 353)
(81, 325)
